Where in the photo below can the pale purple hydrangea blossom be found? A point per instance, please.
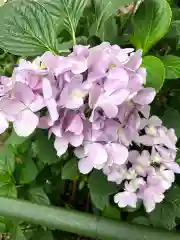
(95, 101)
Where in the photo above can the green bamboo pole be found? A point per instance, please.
(80, 223)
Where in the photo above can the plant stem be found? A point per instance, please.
(80, 223)
(74, 38)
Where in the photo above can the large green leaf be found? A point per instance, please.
(26, 29)
(172, 66)
(166, 212)
(45, 149)
(163, 216)
(155, 72)
(100, 189)
(15, 140)
(151, 23)
(66, 12)
(7, 162)
(37, 195)
(28, 170)
(70, 170)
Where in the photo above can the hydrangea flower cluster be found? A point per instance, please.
(94, 100)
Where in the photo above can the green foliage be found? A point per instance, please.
(44, 147)
(28, 170)
(16, 233)
(100, 189)
(151, 23)
(103, 12)
(141, 221)
(22, 23)
(67, 13)
(43, 235)
(14, 140)
(155, 72)
(111, 212)
(70, 170)
(38, 195)
(171, 119)
(165, 214)
(172, 66)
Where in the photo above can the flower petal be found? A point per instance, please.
(97, 153)
(144, 96)
(76, 140)
(3, 123)
(52, 108)
(85, 165)
(47, 89)
(118, 153)
(76, 125)
(117, 78)
(25, 123)
(61, 145)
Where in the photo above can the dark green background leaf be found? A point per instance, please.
(70, 170)
(38, 195)
(28, 170)
(45, 149)
(171, 119)
(172, 66)
(100, 189)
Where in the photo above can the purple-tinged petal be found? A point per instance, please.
(135, 60)
(145, 140)
(116, 78)
(52, 108)
(49, 60)
(76, 140)
(124, 199)
(47, 89)
(76, 125)
(57, 130)
(81, 50)
(79, 152)
(119, 96)
(94, 94)
(37, 104)
(101, 155)
(117, 152)
(25, 123)
(144, 96)
(3, 123)
(79, 65)
(85, 165)
(110, 109)
(143, 73)
(11, 107)
(61, 145)
(133, 155)
(145, 110)
(23, 93)
(173, 166)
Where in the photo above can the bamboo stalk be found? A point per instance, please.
(80, 223)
